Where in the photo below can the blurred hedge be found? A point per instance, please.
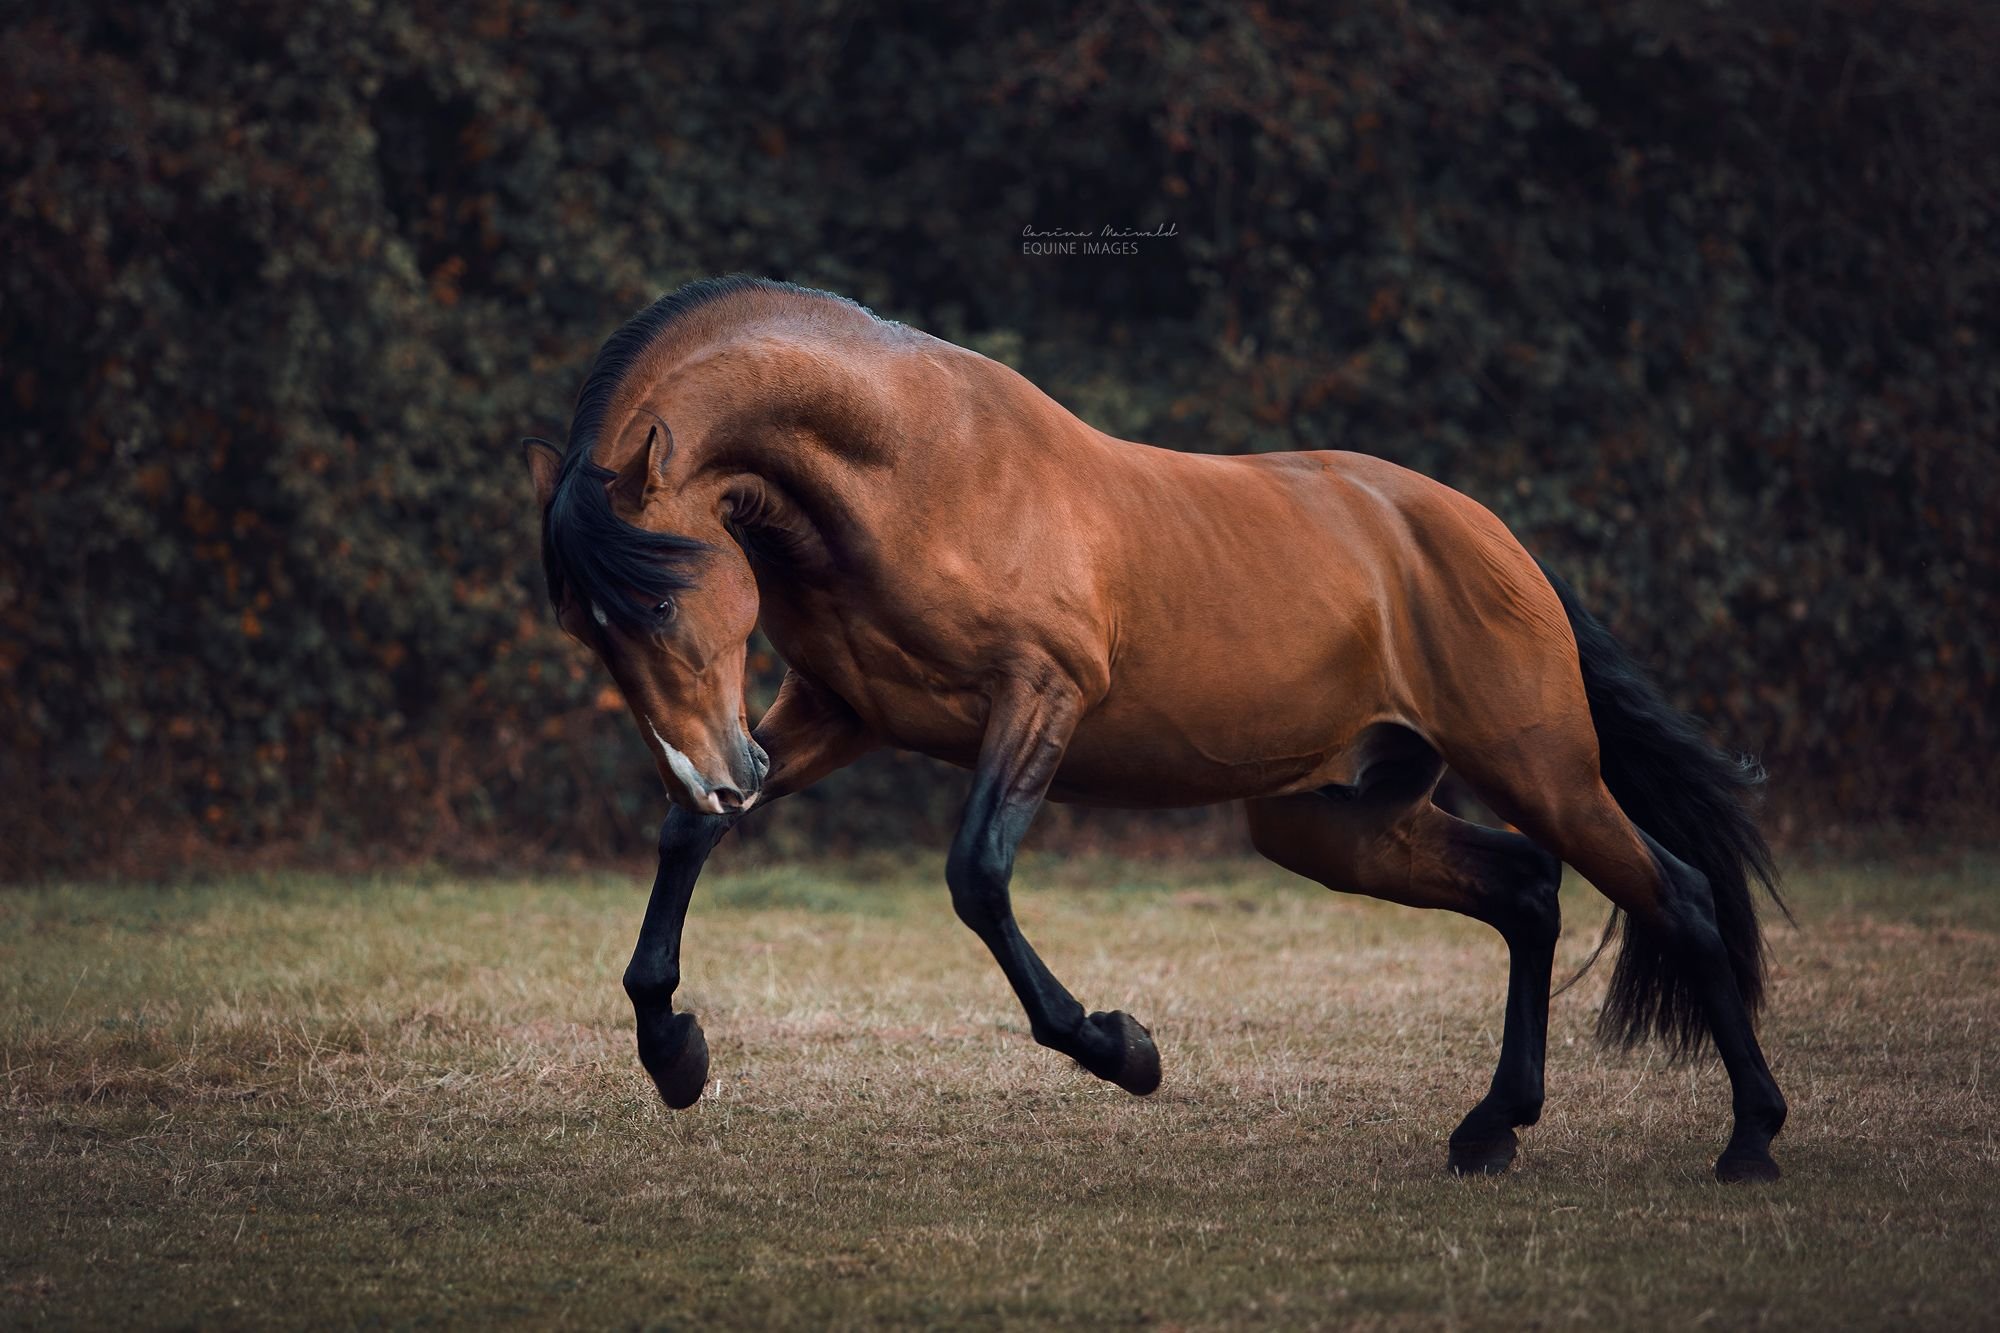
(1702, 299)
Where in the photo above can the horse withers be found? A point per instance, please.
(949, 562)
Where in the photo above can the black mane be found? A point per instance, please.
(587, 550)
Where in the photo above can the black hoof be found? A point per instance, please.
(1482, 1157)
(676, 1055)
(1746, 1168)
(1129, 1058)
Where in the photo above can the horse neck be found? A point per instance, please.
(801, 438)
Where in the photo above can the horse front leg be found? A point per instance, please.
(1027, 732)
(671, 1045)
(808, 733)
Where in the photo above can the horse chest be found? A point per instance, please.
(945, 724)
(910, 704)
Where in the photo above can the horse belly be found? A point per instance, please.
(1231, 740)
(1159, 780)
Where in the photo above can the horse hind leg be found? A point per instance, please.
(1384, 838)
(1675, 964)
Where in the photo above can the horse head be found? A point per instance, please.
(666, 599)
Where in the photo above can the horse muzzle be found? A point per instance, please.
(731, 795)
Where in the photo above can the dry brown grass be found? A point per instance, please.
(291, 1101)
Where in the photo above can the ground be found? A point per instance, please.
(409, 1100)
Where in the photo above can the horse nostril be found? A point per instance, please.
(730, 798)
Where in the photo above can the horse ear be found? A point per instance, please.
(641, 470)
(544, 461)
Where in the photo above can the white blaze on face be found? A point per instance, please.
(684, 772)
(597, 614)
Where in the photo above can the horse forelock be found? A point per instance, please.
(590, 553)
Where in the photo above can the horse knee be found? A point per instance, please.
(978, 908)
(977, 877)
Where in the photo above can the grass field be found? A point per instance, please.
(399, 1102)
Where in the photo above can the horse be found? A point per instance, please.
(949, 562)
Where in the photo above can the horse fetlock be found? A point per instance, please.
(1492, 1118)
(1069, 1041)
(1748, 1159)
(651, 989)
(1764, 1117)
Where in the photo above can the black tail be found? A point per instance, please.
(1693, 798)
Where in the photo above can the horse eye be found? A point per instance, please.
(665, 611)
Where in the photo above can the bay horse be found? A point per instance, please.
(949, 562)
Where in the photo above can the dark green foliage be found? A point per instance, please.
(1702, 299)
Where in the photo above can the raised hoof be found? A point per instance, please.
(677, 1061)
(1746, 1168)
(1136, 1065)
(1485, 1157)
